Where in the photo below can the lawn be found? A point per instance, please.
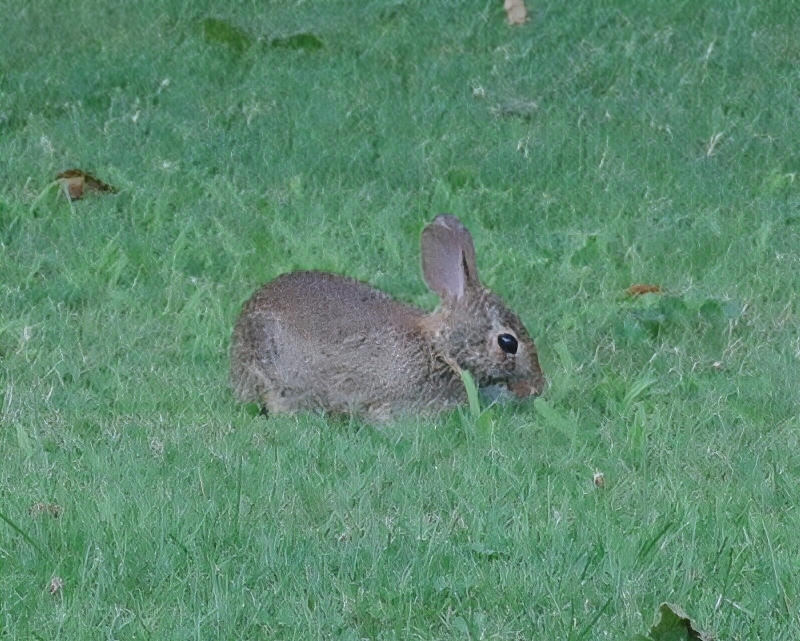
(599, 146)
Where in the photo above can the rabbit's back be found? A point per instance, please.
(314, 340)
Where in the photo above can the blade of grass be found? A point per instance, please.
(472, 394)
(23, 534)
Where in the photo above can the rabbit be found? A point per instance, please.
(312, 340)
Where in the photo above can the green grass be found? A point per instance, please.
(601, 145)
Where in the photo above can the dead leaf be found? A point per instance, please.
(51, 509)
(76, 184)
(640, 290)
(516, 11)
(56, 585)
(673, 624)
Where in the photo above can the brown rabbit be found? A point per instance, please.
(320, 341)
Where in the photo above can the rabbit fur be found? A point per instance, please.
(313, 340)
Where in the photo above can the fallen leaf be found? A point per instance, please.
(55, 586)
(673, 624)
(516, 11)
(76, 183)
(640, 290)
(51, 509)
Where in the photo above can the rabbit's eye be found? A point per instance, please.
(508, 343)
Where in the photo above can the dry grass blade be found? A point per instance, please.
(713, 143)
(641, 290)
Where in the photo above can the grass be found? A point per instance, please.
(599, 146)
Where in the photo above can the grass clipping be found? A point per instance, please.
(483, 420)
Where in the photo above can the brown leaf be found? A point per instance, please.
(640, 290)
(51, 509)
(76, 184)
(55, 585)
(516, 11)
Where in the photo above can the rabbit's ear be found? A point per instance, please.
(448, 257)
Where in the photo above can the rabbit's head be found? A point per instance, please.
(473, 328)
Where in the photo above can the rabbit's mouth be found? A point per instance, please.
(524, 388)
(497, 392)
(505, 390)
